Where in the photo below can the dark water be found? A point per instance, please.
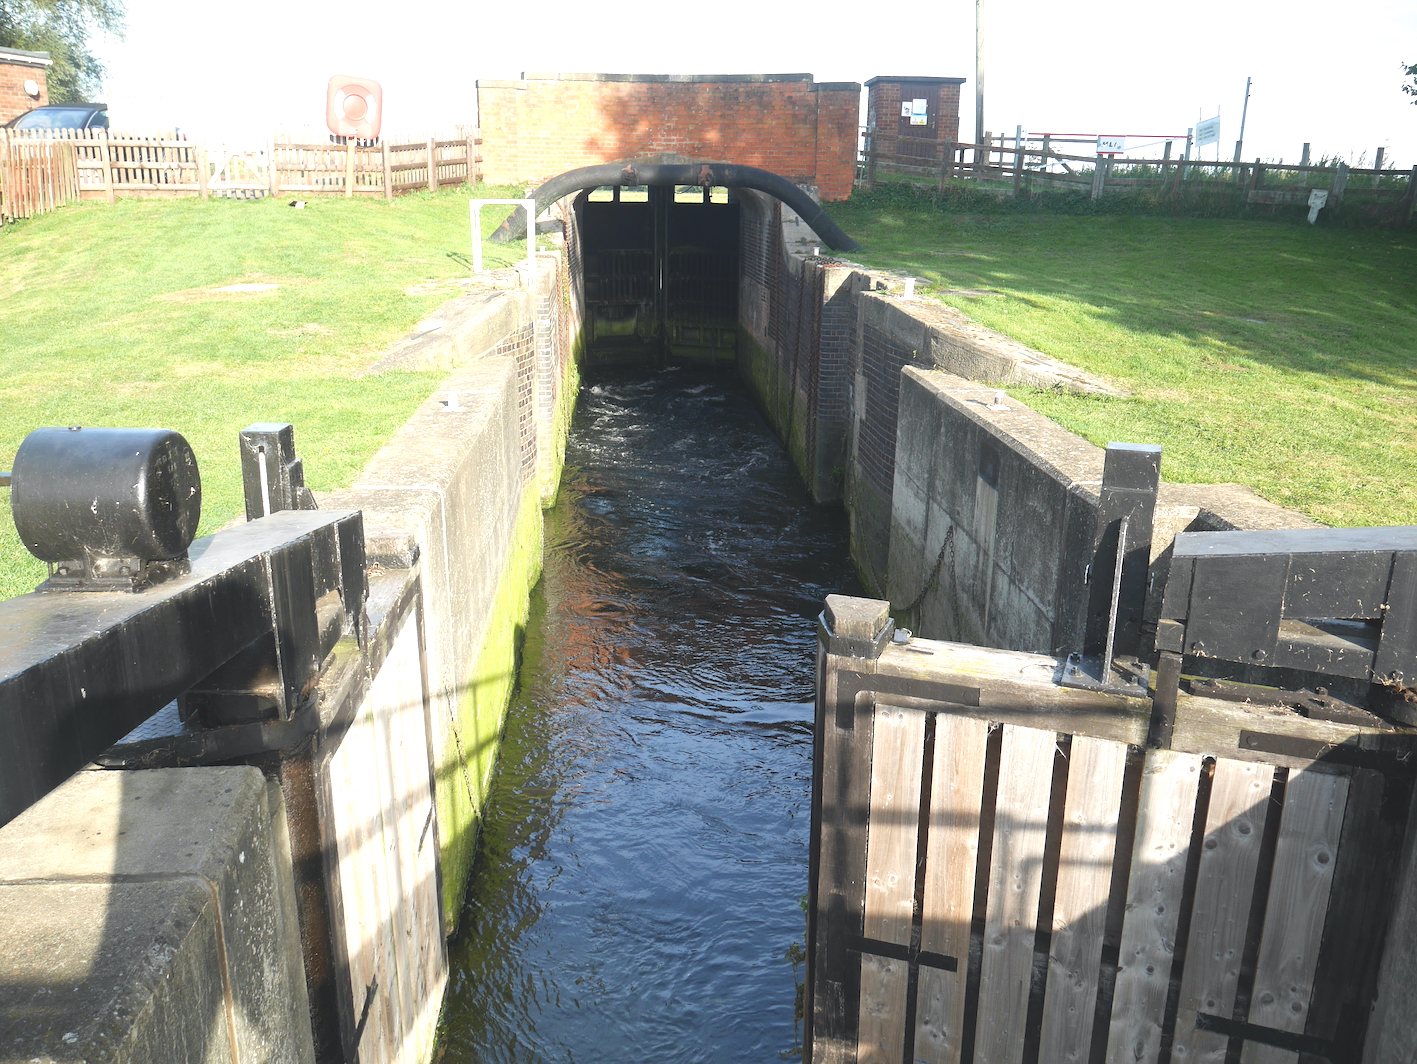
(646, 846)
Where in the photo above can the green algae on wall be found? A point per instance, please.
(465, 768)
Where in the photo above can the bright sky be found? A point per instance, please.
(1324, 73)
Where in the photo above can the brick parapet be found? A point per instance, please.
(786, 123)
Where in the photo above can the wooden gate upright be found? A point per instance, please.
(1005, 872)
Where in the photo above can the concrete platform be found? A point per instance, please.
(149, 917)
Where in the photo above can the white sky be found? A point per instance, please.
(1323, 72)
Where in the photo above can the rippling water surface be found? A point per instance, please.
(645, 850)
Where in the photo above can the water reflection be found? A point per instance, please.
(646, 847)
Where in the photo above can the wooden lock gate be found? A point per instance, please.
(1008, 870)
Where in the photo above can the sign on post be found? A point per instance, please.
(1208, 132)
(1111, 145)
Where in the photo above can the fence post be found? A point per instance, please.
(947, 162)
(1411, 199)
(108, 167)
(349, 149)
(202, 176)
(272, 170)
(1255, 176)
(472, 158)
(1018, 166)
(388, 169)
(1099, 177)
(432, 166)
(1340, 182)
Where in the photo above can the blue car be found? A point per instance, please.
(63, 116)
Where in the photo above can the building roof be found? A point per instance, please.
(916, 80)
(17, 57)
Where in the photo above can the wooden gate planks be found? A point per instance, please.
(1314, 804)
(1246, 908)
(1229, 860)
(897, 759)
(952, 850)
(1165, 810)
(1015, 881)
(1088, 847)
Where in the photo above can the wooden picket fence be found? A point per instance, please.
(1004, 872)
(35, 176)
(1010, 170)
(41, 171)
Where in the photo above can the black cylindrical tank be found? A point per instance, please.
(109, 493)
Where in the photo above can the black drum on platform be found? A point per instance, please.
(101, 505)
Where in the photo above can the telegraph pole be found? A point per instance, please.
(978, 71)
(1240, 144)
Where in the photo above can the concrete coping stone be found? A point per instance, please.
(143, 911)
(464, 328)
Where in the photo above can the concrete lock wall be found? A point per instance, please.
(885, 403)
(193, 913)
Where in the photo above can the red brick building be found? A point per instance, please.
(547, 124)
(930, 112)
(19, 73)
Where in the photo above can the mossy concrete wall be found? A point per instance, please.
(467, 478)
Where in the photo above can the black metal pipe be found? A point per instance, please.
(727, 175)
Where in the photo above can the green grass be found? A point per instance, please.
(107, 318)
(1279, 356)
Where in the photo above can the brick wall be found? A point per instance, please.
(15, 70)
(785, 123)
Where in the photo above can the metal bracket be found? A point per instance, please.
(1125, 676)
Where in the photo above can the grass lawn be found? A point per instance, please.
(108, 318)
(1279, 356)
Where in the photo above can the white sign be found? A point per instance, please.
(1318, 200)
(918, 112)
(904, 108)
(1111, 145)
(1208, 132)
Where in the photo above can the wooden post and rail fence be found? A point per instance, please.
(39, 172)
(1007, 170)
